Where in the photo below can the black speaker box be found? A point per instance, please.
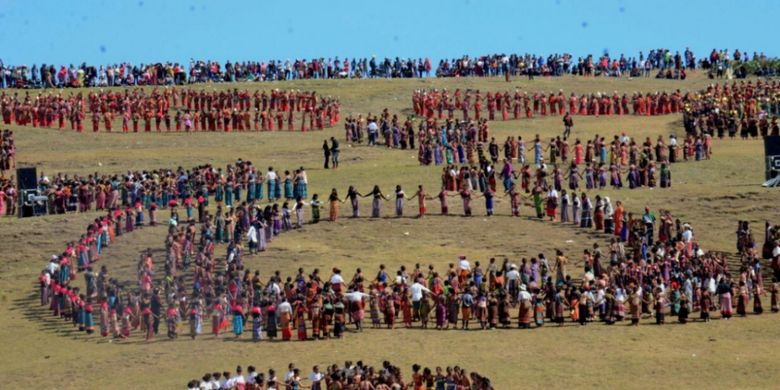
(26, 178)
(772, 156)
(772, 145)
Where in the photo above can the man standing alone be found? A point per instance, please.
(568, 123)
(334, 152)
(326, 152)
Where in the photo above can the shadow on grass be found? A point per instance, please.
(30, 309)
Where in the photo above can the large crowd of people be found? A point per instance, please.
(125, 198)
(470, 156)
(208, 71)
(645, 267)
(658, 63)
(498, 105)
(643, 277)
(666, 63)
(139, 192)
(172, 109)
(745, 108)
(66, 300)
(471, 143)
(463, 142)
(189, 189)
(653, 266)
(357, 375)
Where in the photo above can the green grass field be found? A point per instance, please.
(711, 195)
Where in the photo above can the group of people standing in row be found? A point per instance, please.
(356, 375)
(173, 109)
(496, 64)
(7, 151)
(189, 189)
(470, 142)
(7, 164)
(505, 106)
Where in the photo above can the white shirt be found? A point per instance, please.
(776, 251)
(316, 377)
(252, 234)
(336, 279)
(355, 296)
(464, 264)
(512, 275)
(619, 295)
(270, 175)
(599, 298)
(523, 296)
(53, 267)
(417, 290)
(284, 307)
(274, 289)
(589, 295)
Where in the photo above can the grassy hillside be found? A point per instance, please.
(711, 195)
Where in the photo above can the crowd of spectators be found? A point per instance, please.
(660, 63)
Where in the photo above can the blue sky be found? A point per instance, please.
(98, 32)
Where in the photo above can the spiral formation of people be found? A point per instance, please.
(195, 196)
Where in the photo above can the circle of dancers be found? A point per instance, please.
(648, 271)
